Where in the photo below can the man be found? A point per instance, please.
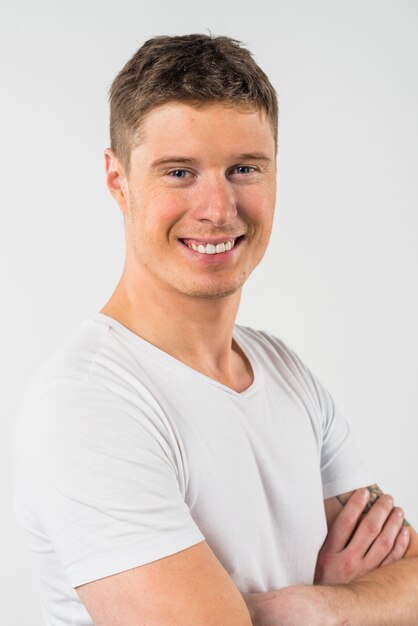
(174, 467)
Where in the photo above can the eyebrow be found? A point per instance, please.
(245, 156)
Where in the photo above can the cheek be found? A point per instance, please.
(257, 203)
(163, 209)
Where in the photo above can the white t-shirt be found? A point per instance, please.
(125, 455)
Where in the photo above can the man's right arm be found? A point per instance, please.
(191, 588)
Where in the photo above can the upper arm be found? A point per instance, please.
(333, 506)
(190, 588)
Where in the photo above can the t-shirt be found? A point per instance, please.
(125, 455)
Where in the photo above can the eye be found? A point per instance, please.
(178, 173)
(244, 169)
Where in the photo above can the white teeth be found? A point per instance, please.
(211, 248)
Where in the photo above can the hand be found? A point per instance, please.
(357, 544)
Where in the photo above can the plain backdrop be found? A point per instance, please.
(339, 281)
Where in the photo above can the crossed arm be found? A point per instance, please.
(360, 579)
(192, 588)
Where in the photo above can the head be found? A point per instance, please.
(192, 162)
(194, 69)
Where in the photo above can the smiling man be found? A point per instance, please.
(173, 467)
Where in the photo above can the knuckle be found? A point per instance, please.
(399, 548)
(392, 527)
(386, 542)
(346, 521)
(402, 541)
(386, 502)
(398, 514)
(397, 553)
(348, 564)
(372, 526)
(358, 498)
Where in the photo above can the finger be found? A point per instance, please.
(375, 493)
(384, 543)
(371, 525)
(400, 547)
(345, 523)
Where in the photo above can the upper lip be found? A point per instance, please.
(213, 240)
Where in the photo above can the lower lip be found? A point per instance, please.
(212, 259)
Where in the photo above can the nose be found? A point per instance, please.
(216, 201)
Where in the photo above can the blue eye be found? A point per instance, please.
(178, 173)
(244, 169)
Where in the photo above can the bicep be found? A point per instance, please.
(190, 588)
(333, 507)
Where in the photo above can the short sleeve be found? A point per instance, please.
(342, 465)
(104, 482)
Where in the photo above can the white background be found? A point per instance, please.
(339, 281)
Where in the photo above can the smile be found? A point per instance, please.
(211, 248)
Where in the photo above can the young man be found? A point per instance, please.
(174, 467)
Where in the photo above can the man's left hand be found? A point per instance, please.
(357, 543)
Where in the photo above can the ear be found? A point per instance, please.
(116, 179)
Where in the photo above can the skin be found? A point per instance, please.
(183, 302)
(366, 531)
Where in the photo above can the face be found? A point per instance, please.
(199, 199)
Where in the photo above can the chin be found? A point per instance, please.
(211, 295)
(213, 292)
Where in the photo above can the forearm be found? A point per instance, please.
(385, 597)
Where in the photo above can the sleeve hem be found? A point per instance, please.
(350, 483)
(133, 557)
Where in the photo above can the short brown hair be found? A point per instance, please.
(198, 69)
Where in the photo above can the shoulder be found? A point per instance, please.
(91, 371)
(70, 361)
(84, 394)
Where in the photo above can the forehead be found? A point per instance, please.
(216, 127)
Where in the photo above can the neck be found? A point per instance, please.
(196, 331)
